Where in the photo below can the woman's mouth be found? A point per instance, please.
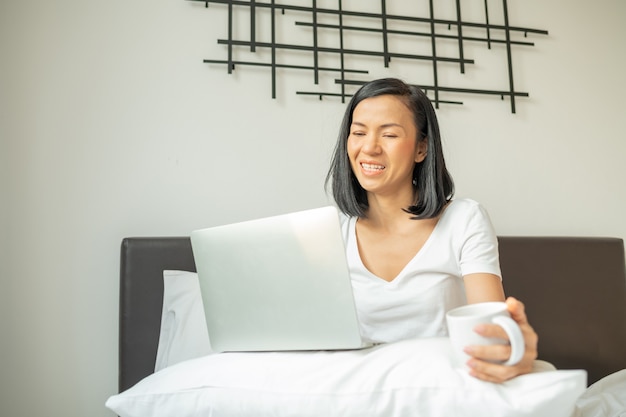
(371, 167)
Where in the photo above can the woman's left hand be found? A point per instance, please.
(480, 364)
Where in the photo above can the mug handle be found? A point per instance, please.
(515, 337)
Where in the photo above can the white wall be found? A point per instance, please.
(111, 126)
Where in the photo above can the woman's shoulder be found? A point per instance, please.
(464, 205)
(465, 211)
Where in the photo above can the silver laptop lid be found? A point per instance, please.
(277, 283)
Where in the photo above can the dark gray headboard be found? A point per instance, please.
(574, 290)
(141, 300)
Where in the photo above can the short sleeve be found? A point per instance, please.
(479, 248)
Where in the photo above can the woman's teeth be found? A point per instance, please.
(372, 167)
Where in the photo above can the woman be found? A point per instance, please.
(414, 253)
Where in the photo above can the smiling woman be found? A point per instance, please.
(413, 252)
(408, 113)
(382, 147)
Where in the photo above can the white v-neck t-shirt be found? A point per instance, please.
(415, 302)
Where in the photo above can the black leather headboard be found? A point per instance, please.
(574, 290)
(141, 300)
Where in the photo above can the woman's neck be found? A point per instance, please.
(387, 212)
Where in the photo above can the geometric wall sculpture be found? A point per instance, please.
(341, 40)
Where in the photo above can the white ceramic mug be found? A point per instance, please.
(462, 320)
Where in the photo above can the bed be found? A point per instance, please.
(574, 289)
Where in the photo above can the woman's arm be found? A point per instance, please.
(483, 287)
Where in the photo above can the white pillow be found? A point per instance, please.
(183, 333)
(408, 378)
(606, 397)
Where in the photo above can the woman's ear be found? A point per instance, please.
(421, 150)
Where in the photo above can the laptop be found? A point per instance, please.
(277, 284)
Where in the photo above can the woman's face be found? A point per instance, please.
(383, 147)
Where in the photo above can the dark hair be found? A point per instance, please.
(433, 184)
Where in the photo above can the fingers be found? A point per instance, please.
(516, 310)
(491, 331)
(494, 372)
(490, 372)
(489, 353)
(518, 313)
(499, 352)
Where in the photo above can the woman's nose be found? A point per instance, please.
(371, 145)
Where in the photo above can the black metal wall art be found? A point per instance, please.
(417, 33)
